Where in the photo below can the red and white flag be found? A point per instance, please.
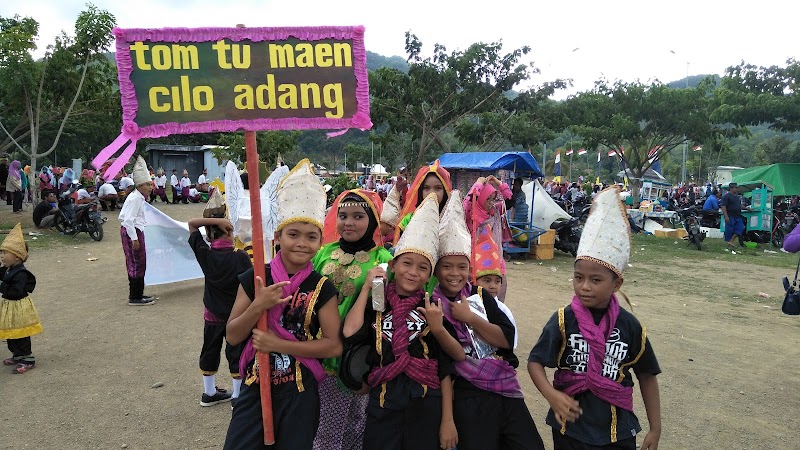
(698, 148)
(612, 153)
(581, 152)
(654, 151)
(568, 152)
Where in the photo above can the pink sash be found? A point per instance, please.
(593, 380)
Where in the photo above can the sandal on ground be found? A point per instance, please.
(22, 368)
(10, 362)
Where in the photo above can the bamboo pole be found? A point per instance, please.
(253, 183)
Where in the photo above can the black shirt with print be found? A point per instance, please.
(282, 366)
(422, 344)
(623, 349)
(497, 317)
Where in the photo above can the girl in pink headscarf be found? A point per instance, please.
(484, 206)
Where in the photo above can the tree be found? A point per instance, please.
(641, 122)
(751, 95)
(48, 91)
(442, 91)
(525, 119)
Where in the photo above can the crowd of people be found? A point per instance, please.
(55, 182)
(412, 291)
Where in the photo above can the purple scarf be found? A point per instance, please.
(13, 170)
(279, 274)
(593, 380)
(489, 374)
(423, 371)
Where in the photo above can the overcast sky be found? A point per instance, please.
(621, 39)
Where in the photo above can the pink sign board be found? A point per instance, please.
(202, 80)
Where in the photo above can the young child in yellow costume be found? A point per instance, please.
(18, 317)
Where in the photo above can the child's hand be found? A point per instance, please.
(269, 296)
(651, 440)
(565, 407)
(226, 226)
(448, 435)
(135, 244)
(266, 341)
(375, 272)
(461, 311)
(433, 313)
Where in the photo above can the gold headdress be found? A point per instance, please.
(215, 206)
(301, 197)
(454, 237)
(422, 233)
(14, 243)
(391, 208)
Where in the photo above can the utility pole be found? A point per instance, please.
(544, 156)
(683, 164)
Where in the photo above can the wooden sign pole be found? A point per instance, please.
(254, 185)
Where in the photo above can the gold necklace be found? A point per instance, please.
(342, 271)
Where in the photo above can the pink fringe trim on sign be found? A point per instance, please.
(131, 131)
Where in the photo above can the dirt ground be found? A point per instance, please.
(729, 358)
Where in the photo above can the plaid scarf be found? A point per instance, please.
(593, 380)
(423, 371)
(489, 374)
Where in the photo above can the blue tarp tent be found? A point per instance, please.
(491, 161)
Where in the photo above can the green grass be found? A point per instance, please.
(662, 250)
(51, 240)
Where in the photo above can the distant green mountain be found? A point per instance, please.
(692, 81)
(376, 61)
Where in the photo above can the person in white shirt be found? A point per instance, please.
(202, 181)
(132, 234)
(126, 184)
(173, 181)
(184, 186)
(194, 195)
(85, 195)
(160, 188)
(108, 196)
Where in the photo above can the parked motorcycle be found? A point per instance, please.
(72, 219)
(568, 235)
(710, 219)
(691, 222)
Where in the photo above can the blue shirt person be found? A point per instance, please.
(712, 202)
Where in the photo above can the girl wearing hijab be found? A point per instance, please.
(429, 179)
(66, 180)
(352, 246)
(14, 187)
(484, 206)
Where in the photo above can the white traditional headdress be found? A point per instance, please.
(301, 197)
(140, 173)
(391, 208)
(421, 236)
(606, 237)
(454, 237)
(215, 207)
